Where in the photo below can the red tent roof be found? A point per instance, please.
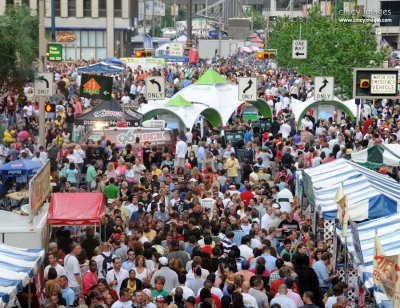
(76, 208)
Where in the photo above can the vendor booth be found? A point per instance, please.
(109, 113)
(74, 209)
(378, 156)
(17, 267)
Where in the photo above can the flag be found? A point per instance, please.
(343, 213)
(304, 10)
(386, 272)
(323, 8)
(327, 8)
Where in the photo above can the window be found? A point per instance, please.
(87, 8)
(117, 8)
(102, 8)
(72, 8)
(9, 2)
(57, 8)
(390, 14)
(26, 2)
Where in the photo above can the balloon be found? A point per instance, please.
(188, 166)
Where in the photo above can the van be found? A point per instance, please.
(122, 136)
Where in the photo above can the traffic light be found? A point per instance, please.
(144, 53)
(266, 54)
(50, 107)
(364, 83)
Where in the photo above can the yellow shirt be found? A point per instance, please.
(150, 235)
(232, 166)
(156, 172)
(9, 136)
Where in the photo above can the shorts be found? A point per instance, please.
(179, 162)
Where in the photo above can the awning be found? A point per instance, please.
(76, 209)
(17, 266)
(386, 154)
(370, 194)
(248, 49)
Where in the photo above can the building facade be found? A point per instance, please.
(88, 29)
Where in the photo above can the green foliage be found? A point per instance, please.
(258, 19)
(333, 49)
(182, 13)
(168, 20)
(19, 44)
(157, 31)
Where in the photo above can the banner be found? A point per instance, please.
(39, 188)
(343, 213)
(386, 272)
(356, 241)
(328, 8)
(96, 86)
(305, 10)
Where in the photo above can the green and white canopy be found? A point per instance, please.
(380, 154)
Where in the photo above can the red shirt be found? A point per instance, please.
(207, 249)
(89, 280)
(246, 196)
(216, 299)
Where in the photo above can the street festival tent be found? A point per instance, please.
(17, 266)
(75, 209)
(370, 194)
(20, 167)
(361, 250)
(109, 112)
(215, 93)
(100, 67)
(379, 155)
(114, 61)
(300, 109)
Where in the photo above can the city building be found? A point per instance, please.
(386, 18)
(88, 29)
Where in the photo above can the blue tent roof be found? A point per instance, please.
(114, 61)
(370, 194)
(20, 167)
(100, 67)
(17, 266)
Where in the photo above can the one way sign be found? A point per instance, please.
(299, 49)
(247, 89)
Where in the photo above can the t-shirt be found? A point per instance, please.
(159, 294)
(90, 174)
(69, 296)
(72, 268)
(119, 304)
(111, 191)
(71, 175)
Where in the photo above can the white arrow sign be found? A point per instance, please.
(299, 49)
(155, 88)
(44, 84)
(323, 87)
(247, 89)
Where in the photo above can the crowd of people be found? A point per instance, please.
(198, 226)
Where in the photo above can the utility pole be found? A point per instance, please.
(42, 60)
(189, 24)
(144, 19)
(53, 21)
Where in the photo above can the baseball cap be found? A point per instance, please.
(163, 261)
(147, 292)
(276, 206)
(147, 142)
(182, 195)
(244, 263)
(192, 180)
(155, 195)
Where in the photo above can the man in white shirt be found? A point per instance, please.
(282, 299)
(123, 301)
(245, 250)
(116, 275)
(73, 269)
(267, 219)
(248, 300)
(125, 99)
(180, 154)
(285, 199)
(53, 260)
(187, 292)
(285, 130)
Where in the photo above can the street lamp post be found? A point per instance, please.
(42, 60)
(189, 24)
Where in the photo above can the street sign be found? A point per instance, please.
(176, 49)
(96, 87)
(375, 83)
(299, 49)
(155, 88)
(247, 89)
(323, 88)
(54, 52)
(44, 84)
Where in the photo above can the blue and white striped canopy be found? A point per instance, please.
(370, 194)
(17, 266)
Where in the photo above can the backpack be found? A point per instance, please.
(107, 264)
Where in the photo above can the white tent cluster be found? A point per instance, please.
(17, 267)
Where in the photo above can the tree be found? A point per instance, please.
(182, 13)
(168, 20)
(334, 49)
(19, 32)
(258, 18)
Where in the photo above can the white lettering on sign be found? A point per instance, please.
(383, 84)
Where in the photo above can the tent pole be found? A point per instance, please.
(29, 294)
(346, 268)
